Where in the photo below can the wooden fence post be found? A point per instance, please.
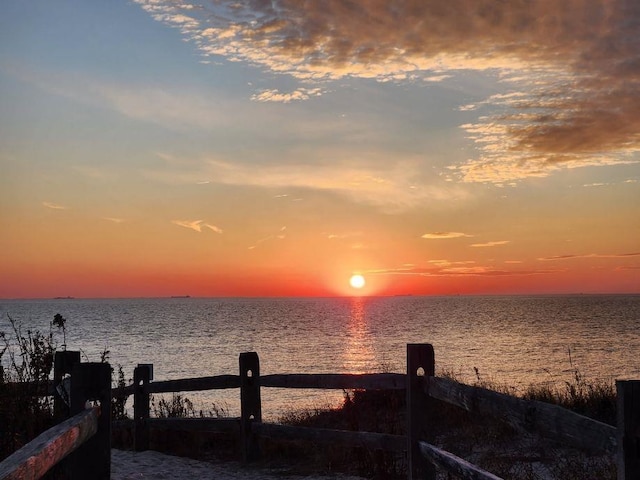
(420, 364)
(142, 375)
(92, 381)
(628, 429)
(250, 405)
(63, 363)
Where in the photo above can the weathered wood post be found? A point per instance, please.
(142, 375)
(63, 363)
(90, 382)
(628, 429)
(420, 364)
(250, 405)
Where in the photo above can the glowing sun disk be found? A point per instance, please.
(357, 281)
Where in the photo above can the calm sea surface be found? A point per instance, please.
(513, 340)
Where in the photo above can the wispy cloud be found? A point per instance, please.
(197, 225)
(342, 236)
(460, 271)
(54, 206)
(370, 180)
(590, 255)
(571, 70)
(114, 219)
(447, 263)
(168, 106)
(606, 184)
(444, 235)
(490, 244)
(277, 236)
(277, 96)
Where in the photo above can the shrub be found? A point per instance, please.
(24, 413)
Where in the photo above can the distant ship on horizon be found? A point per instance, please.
(180, 296)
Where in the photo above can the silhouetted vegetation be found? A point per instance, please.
(28, 357)
(485, 441)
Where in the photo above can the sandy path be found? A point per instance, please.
(126, 465)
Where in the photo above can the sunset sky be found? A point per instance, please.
(158, 148)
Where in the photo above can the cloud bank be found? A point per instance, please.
(571, 69)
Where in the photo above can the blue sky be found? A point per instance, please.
(469, 147)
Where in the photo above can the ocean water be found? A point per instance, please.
(511, 340)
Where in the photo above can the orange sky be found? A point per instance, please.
(151, 149)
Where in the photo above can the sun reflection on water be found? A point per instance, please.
(359, 355)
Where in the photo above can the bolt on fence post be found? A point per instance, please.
(63, 363)
(90, 382)
(142, 375)
(250, 405)
(420, 364)
(628, 407)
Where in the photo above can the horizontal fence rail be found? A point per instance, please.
(218, 425)
(374, 441)
(219, 382)
(47, 449)
(420, 382)
(29, 389)
(337, 381)
(344, 381)
(456, 465)
(83, 440)
(548, 420)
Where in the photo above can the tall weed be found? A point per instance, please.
(24, 412)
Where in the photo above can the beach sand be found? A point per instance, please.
(127, 465)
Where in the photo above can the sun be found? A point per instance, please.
(357, 281)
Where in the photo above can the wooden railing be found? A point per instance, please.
(91, 458)
(420, 383)
(81, 443)
(47, 449)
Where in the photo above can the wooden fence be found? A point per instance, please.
(82, 443)
(419, 382)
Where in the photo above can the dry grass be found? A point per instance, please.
(485, 441)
